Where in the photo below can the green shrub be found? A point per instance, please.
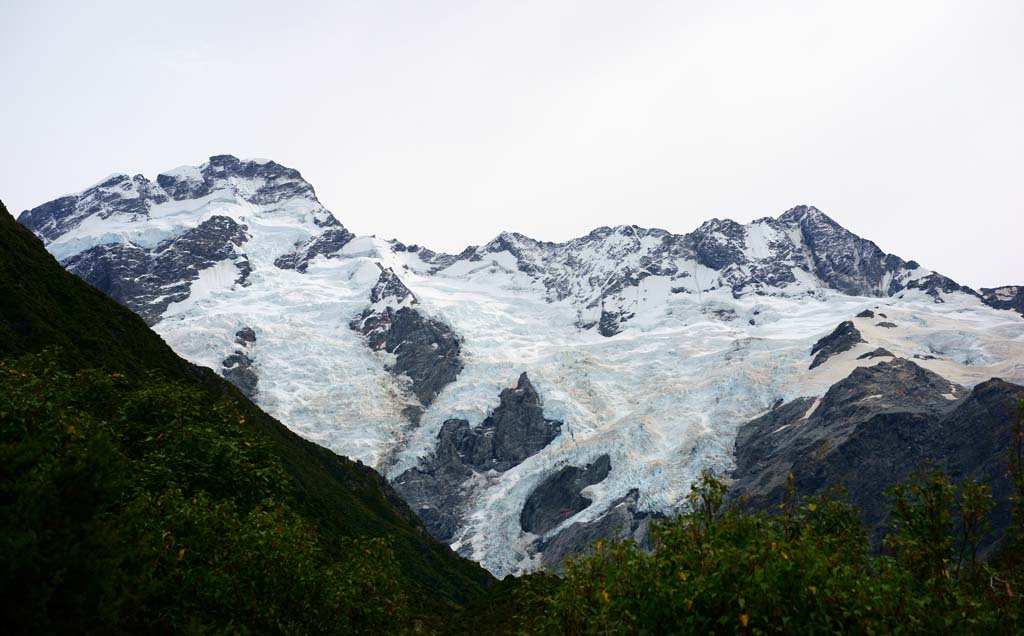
(805, 570)
(143, 507)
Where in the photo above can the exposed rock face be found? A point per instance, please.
(719, 243)
(390, 287)
(559, 496)
(622, 520)
(935, 285)
(847, 262)
(117, 195)
(147, 281)
(327, 244)
(237, 369)
(437, 492)
(867, 313)
(273, 182)
(1006, 297)
(245, 336)
(973, 444)
(512, 432)
(870, 431)
(515, 430)
(427, 351)
(608, 326)
(843, 338)
(877, 353)
(886, 324)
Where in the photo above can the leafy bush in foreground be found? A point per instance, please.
(806, 570)
(143, 507)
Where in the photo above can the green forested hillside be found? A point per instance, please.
(142, 494)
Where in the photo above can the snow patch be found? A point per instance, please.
(189, 173)
(810, 411)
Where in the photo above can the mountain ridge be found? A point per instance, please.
(717, 243)
(651, 348)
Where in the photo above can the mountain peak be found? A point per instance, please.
(118, 209)
(259, 181)
(806, 213)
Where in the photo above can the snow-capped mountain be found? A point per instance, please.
(524, 396)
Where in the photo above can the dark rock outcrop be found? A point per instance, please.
(390, 287)
(843, 338)
(1006, 297)
(877, 353)
(867, 313)
(725, 315)
(437, 493)
(622, 520)
(515, 430)
(327, 244)
(608, 325)
(843, 260)
(885, 324)
(147, 281)
(936, 284)
(718, 243)
(237, 369)
(427, 351)
(558, 497)
(245, 336)
(871, 431)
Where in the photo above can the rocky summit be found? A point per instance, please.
(529, 397)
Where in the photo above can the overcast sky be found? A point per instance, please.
(443, 123)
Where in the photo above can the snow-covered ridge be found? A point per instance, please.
(801, 252)
(650, 347)
(123, 209)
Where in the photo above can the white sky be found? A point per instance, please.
(443, 123)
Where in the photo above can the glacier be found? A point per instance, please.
(650, 347)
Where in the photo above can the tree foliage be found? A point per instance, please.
(807, 569)
(141, 506)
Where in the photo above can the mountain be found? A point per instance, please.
(507, 377)
(871, 430)
(86, 342)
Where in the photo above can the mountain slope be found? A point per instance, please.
(649, 347)
(871, 431)
(43, 307)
